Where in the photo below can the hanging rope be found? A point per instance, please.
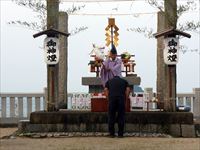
(94, 1)
(119, 14)
(112, 14)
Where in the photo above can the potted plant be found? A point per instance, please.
(125, 57)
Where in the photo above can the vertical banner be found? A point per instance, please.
(51, 50)
(171, 51)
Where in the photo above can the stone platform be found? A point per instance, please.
(179, 124)
(95, 85)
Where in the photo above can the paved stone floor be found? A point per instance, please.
(8, 141)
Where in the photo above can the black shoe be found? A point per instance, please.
(120, 136)
(111, 135)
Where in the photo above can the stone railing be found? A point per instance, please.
(192, 100)
(16, 106)
(187, 99)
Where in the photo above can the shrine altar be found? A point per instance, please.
(99, 103)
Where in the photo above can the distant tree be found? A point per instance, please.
(192, 26)
(39, 7)
(190, 5)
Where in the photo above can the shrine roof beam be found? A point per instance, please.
(171, 32)
(51, 33)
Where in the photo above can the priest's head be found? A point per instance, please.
(113, 52)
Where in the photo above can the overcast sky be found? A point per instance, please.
(22, 64)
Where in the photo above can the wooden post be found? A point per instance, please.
(52, 75)
(170, 21)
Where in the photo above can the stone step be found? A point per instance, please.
(178, 124)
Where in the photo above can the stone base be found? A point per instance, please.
(176, 123)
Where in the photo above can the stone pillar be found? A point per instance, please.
(20, 107)
(45, 99)
(12, 107)
(63, 62)
(149, 91)
(196, 102)
(52, 70)
(37, 103)
(149, 96)
(161, 66)
(29, 106)
(3, 107)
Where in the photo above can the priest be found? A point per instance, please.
(111, 66)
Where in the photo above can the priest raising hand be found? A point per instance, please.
(111, 67)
